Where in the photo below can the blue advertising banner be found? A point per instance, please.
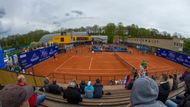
(29, 59)
(2, 63)
(174, 56)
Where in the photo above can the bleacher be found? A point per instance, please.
(118, 97)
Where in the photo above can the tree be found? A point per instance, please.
(121, 31)
(186, 46)
(110, 30)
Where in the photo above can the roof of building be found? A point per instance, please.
(48, 37)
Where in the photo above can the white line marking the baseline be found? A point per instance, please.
(91, 69)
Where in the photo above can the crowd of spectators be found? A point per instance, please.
(145, 91)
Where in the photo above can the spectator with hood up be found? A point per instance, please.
(89, 90)
(144, 93)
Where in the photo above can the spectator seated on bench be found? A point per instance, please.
(82, 86)
(1, 87)
(144, 93)
(72, 94)
(35, 99)
(182, 101)
(164, 88)
(46, 84)
(15, 96)
(175, 82)
(98, 89)
(89, 90)
(54, 88)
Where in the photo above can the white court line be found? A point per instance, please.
(63, 63)
(90, 63)
(91, 69)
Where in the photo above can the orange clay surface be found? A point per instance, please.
(80, 64)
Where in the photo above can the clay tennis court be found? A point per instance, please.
(81, 64)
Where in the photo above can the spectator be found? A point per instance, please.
(98, 89)
(82, 86)
(15, 96)
(76, 83)
(144, 93)
(54, 88)
(46, 84)
(72, 94)
(35, 99)
(127, 80)
(170, 80)
(1, 86)
(130, 85)
(175, 82)
(89, 90)
(164, 88)
(182, 101)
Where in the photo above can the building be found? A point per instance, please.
(99, 38)
(174, 44)
(66, 38)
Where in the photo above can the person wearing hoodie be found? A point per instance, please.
(164, 88)
(72, 94)
(144, 93)
(89, 90)
(183, 101)
(98, 89)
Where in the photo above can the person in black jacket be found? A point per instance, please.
(164, 88)
(54, 88)
(72, 94)
(82, 86)
(98, 89)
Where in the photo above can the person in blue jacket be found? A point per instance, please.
(89, 90)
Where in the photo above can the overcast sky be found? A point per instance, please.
(21, 16)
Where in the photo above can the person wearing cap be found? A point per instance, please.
(35, 99)
(89, 90)
(15, 96)
(72, 94)
(144, 93)
(98, 89)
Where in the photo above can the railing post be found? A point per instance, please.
(64, 78)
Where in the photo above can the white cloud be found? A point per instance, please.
(25, 15)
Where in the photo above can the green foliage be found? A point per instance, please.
(18, 41)
(110, 30)
(186, 46)
(121, 31)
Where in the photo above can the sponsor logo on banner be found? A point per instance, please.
(23, 55)
(29, 59)
(34, 57)
(174, 56)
